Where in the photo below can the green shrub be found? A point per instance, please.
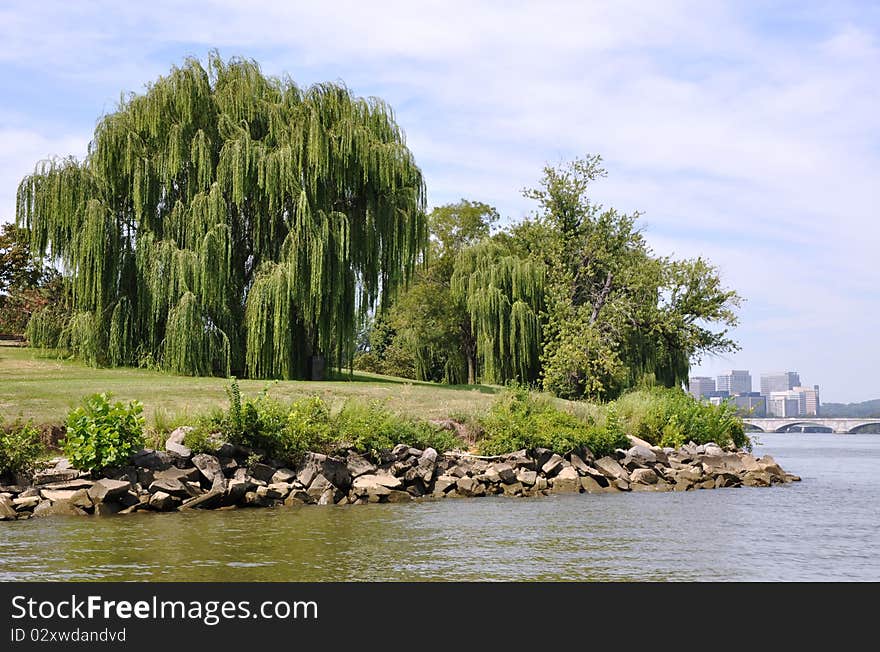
(371, 428)
(671, 417)
(20, 448)
(520, 420)
(286, 431)
(101, 434)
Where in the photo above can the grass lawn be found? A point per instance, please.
(36, 386)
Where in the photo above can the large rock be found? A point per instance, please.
(552, 465)
(169, 486)
(643, 476)
(206, 500)
(526, 476)
(107, 509)
(283, 475)
(769, 465)
(320, 485)
(174, 444)
(106, 490)
(579, 464)
(443, 484)
(80, 498)
(189, 474)
(567, 481)
(364, 482)
(513, 489)
(50, 476)
(58, 508)
(469, 487)
(334, 469)
(7, 509)
(358, 465)
(590, 485)
(505, 472)
(163, 502)
(262, 472)
(151, 459)
(24, 504)
(642, 454)
(69, 485)
(427, 465)
(757, 479)
(397, 496)
(609, 467)
(727, 480)
(209, 467)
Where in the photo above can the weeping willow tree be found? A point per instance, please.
(225, 221)
(503, 295)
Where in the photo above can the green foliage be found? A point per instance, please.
(371, 428)
(521, 420)
(615, 311)
(286, 431)
(503, 295)
(26, 286)
(671, 417)
(20, 448)
(101, 434)
(225, 221)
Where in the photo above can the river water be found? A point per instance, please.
(824, 528)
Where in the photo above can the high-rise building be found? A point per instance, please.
(736, 381)
(789, 403)
(779, 381)
(811, 400)
(751, 404)
(701, 386)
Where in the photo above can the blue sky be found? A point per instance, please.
(748, 133)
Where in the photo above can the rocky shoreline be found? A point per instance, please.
(177, 480)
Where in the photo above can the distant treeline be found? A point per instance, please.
(868, 409)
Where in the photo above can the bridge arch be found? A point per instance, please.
(804, 426)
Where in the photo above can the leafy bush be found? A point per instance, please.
(101, 434)
(671, 417)
(20, 448)
(371, 428)
(520, 420)
(286, 431)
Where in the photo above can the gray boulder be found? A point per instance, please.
(334, 469)
(609, 467)
(283, 475)
(642, 454)
(552, 465)
(162, 501)
(7, 508)
(643, 476)
(50, 476)
(174, 444)
(106, 490)
(469, 487)
(151, 459)
(526, 476)
(169, 486)
(58, 508)
(209, 467)
(566, 481)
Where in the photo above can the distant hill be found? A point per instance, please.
(864, 409)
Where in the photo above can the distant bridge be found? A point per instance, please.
(843, 425)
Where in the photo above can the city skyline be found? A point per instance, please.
(742, 133)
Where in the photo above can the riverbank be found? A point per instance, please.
(177, 480)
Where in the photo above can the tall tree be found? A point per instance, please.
(26, 285)
(615, 312)
(228, 221)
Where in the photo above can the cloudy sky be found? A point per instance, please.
(746, 132)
